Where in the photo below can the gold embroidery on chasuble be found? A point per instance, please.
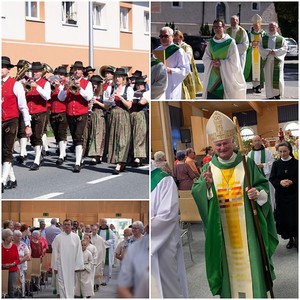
(229, 188)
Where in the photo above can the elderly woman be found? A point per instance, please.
(24, 257)
(284, 178)
(137, 232)
(183, 173)
(10, 259)
(36, 251)
(120, 97)
(160, 161)
(191, 85)
(8, 224)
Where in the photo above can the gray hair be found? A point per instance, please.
(275, 23)
(180, 155)
(5, 233)
(168, 29)
(17, 232)
(35, 232)
(139, 224)
(53, 221)
(158, 155)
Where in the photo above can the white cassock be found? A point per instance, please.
(232, 76)
(280, 54)
(167, 261)
(159, 80)
(94, 252)
(109, 244)
(83, 285)
(134, 272)
(66, 258)
(179, 64)
(269, 159)
(243, 45)
(99, 243)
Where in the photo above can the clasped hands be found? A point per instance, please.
(286, 182)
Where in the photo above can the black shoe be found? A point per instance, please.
(76, 169)
(257, 90)
(59, 162)
(115, 172)
(93, 162)
(277, 97)
(103, 283)
(271, 98)
(34, 167)
(11, 184)
(123, 168)
(21, 158)
(135, 164)
(290, 244)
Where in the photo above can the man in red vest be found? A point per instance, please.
(37, 97)
(77, 94)
(13, 102)
(58, 117)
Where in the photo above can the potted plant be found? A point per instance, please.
(70, 18)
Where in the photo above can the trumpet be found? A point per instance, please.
(23, 71)
(27, 86)
(73, 87)
(52, 79)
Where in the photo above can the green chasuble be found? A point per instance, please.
(276, 69)
(215, 88)
(170, 50)
(222, 216)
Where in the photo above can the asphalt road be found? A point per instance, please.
(93, 182)
(291, 77)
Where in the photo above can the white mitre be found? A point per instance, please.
(256, 19)
(220, 127)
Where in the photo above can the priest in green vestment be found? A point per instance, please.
(233, 260)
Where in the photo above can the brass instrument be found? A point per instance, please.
(23, 71)
(27, 86)
(52, 80)
(46, 69)
(73, 87)
(102, 70)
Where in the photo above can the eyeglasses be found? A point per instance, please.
(164, 36)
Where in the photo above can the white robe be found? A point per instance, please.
(94, 252)
(109, 244)
(159, 81)
(267, 169)
(243, 45)
(99, 243)
(167, 261)
(83, 286)
(232, 76)
(66, 258)
(179, 64)
(280, 54)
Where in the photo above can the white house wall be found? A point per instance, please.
(140, 37)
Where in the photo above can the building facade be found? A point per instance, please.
(189, 16)
(59, 33)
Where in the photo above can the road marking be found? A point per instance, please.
(104, 179)
(47, 196)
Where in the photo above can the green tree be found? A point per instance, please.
(171, 25)
(287, 13)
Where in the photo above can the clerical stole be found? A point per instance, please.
(255, 58)
(229, 188)
(217, 51)
(238, 36)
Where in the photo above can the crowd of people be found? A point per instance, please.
(223, 187)
(232, 57)
(82, 257)
(107, 115)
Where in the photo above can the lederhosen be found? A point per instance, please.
(10, 119)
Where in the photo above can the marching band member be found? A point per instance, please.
(58, 117)
(37, 97)
(77, 96)
(96, 129)
(13, 101)
(120, 96)
(139, 117)
(109, 77)
(89, 72)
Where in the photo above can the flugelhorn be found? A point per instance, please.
(23, 70)
(73, 87)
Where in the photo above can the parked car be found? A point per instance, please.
(198, 44)
(292, 48)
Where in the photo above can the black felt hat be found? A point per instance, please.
(120, 71)
(36, 66)
(96, 78)
(6, 62)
